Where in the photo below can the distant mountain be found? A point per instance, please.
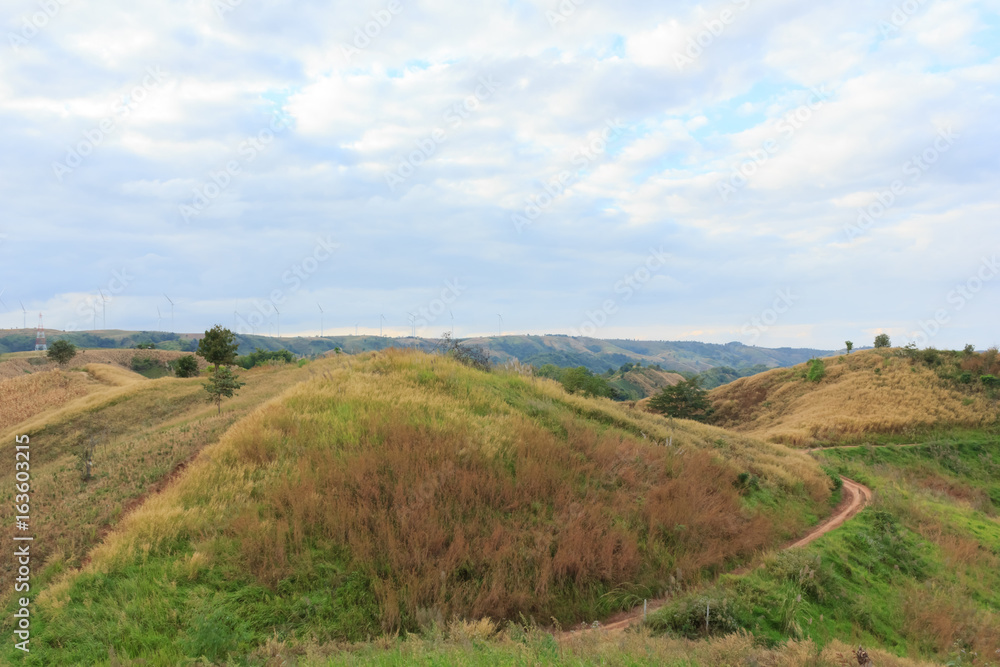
(565, 351)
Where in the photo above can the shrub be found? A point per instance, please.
(989, 380)
(882, 340)
(816, 371)
(61, 351)
(685, 400)
(186, 366)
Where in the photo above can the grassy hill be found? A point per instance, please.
(389, 492)
(871, 395)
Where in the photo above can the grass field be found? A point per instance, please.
(396, 491)
(863, 396)
(917, 573)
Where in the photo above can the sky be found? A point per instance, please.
(773, 172)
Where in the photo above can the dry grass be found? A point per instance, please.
(439, 488)
(143, 430)
(25, 396)
(517, 647)
(863, 393)
(17, 364)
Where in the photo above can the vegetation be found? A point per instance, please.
(222, 384)
(882, 340)
(331, 514)
(218, 347)
(916, 573)
(186, 366)
(579, 380)
(899, 393)
(259, 357)
(684, 400)
(850, 346)
(61, 351)
(149, 366)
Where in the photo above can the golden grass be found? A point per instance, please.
(448, 496)
(24, 397)
(862, 393)
(142, 428)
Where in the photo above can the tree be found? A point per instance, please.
(580, 379)
(62, 351)
(882, 340)
(969, 350)
(850, 346)
(684, 400)
(186, 366)
(218, 347)
(222, 384)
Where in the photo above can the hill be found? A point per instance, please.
(595, 354)
(392, 492)
(897, 393)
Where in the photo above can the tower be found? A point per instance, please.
(40, 336)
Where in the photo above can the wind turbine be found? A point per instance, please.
(500, 325)
(380, 318)
(320, 319)
(159, 318)
(413, 325)
(171, 312)
(24, 316)
(104, 310)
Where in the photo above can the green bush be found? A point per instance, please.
(185, 367)
(988, 380)
(816, 371)
(882, 340)
(260, 357)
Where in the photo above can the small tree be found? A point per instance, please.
(684, 400)
(969, 350)
(222, 384)
(62, 351)
(850, 346)
(882, 340)
(218, 347)
(186, 366)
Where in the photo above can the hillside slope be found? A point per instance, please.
(399, 489)
(866, 394)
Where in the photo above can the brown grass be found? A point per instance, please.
(426, 477)
(863, 393)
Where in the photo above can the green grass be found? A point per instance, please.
(915, 573)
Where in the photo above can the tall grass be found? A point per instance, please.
(401, 487)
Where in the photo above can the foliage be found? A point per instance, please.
(816, 370)
(61, 351)
(473, 356)
(882, 340)
(218, 346)
(849, 345)
(222, 384)
(580, 380)
(148, 366)
(685, 400)
(259, 357)
(186, 366)
(146, 346)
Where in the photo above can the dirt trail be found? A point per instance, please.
(855, 497)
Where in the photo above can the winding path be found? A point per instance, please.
(855, 497)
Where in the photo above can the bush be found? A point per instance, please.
(186, 366)
(882, 340)
(816, 371)
(61, 351)
(685, 400)
(260, 357)
(989, 380)
(931, 357)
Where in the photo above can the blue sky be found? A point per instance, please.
(774, 172)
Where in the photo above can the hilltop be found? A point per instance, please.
(895, 393)
(382, 493)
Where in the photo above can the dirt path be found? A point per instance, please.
(855, 497)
